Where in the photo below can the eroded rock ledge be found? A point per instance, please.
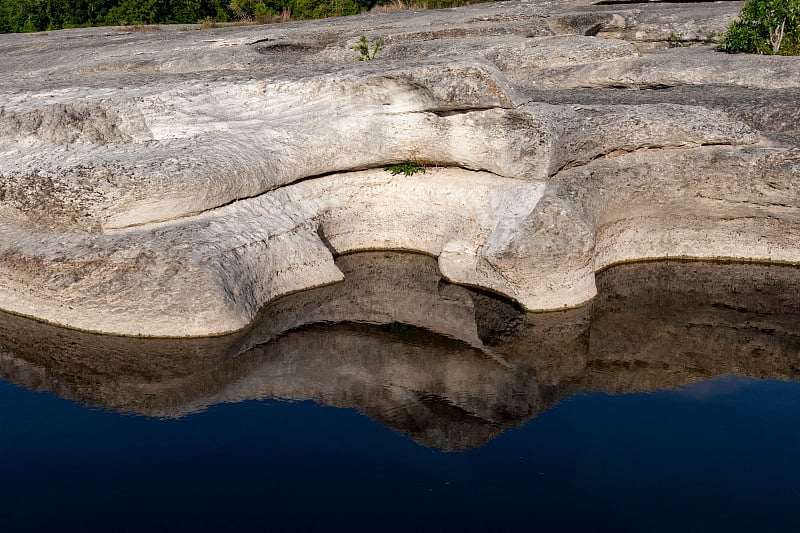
(172, 182)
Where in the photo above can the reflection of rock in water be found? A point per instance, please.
(425, 371)
(450, 367)
(663, 324)
(440, 391)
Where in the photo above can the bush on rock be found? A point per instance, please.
(765, 27)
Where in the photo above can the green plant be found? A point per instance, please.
(364, 50)
(207, 23)
(765, 27)
(408, 168)
(674, 40)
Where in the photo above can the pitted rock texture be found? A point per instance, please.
(172, 182)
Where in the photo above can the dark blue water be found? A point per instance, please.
(721, 455)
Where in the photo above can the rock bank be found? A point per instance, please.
(171, 182)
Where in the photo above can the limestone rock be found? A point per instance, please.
(173, 182)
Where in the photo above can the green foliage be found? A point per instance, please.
(363, 48)
(254, 9)
(765, 27)
(315, 9)
(186, 11)
(442, 4)
(675, 39)
(42, 15)
(408, 168)
(136, 12)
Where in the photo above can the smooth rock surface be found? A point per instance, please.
(172, 182)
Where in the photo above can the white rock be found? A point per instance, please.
(171, 183)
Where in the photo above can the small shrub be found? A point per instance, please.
(364, 50)
(137, 28)
(408, 168)
(674, 40)
(391, 6)
(765, 27)
(207, 23)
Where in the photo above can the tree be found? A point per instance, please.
(137, 12)
(21, 16)
(765, 27)
(186, 11)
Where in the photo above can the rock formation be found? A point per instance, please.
(449, 366)
(172, 182)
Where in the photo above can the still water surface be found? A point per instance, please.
(396, 401)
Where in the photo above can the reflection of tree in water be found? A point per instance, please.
(448, 366)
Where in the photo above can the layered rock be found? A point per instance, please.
(173, 182)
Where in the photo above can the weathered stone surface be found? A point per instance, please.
(172, 182)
